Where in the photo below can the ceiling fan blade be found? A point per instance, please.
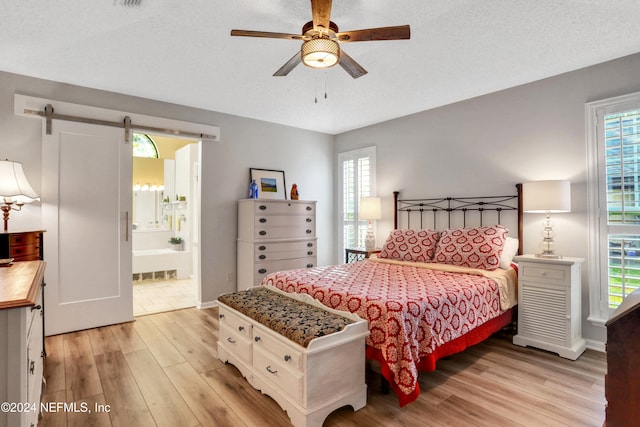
(290, 65)
(401, 32)
(265, 34)
(350, 66)
(321, 12)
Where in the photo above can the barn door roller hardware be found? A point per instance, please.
(49, 115)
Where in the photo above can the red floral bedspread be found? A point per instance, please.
(411, 310)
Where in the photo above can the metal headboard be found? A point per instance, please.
(433, 209)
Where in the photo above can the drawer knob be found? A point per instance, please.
(32, 367)
(262, 257)
(262, 233)
(309, 245)
(221, 316)
(309, 252)
(241, 328)
(309, 265)
(287, 357)
(271, 370)
(262, 207)
(308, 208)
(256, 339)
(262, 248)
(309, 219)
(231, 340)
(263, 220)
(36, 307)
(309, 231)
(262, 270)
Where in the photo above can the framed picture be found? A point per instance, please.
(271, 184)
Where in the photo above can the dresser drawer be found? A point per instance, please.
(270, 251)
(237, 344)
(298, 221)
(235, 323)
(284, 208)
(545, 274)
(35, 363)
(24, 239)
(287, 355)
(290, 382)
(264, 268)
(284, 232)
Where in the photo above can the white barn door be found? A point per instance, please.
(86, 205)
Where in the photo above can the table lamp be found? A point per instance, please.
(547, 197)
(15, 190)
(369, 210)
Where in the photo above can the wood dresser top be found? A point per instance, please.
(20, 283)
(22, 231)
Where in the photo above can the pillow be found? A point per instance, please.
(478, 247)
(508, 252)
(410, 245)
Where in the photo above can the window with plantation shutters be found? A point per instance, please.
(622, 177)
(614, 189)
(356, 180)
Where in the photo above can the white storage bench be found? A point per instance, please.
(309, 358)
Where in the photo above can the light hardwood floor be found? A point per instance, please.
(163, 370)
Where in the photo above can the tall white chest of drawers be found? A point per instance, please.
(274, 235)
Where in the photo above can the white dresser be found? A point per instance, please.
(274, 235)
(21, 343)
(307, 382)
(549, 305)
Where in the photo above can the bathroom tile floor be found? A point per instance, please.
(158, 296)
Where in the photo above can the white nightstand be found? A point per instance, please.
(549, 314)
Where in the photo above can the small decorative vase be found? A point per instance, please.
(294, 192)
(253, 190)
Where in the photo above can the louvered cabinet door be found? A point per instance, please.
(549, 314)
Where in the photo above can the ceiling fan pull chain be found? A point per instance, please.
(325, 85)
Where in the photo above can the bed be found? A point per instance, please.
(428, 294)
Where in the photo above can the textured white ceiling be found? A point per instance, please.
(181, 52)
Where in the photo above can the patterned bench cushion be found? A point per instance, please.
(296, 320)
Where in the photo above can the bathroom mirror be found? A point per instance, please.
(152, 191)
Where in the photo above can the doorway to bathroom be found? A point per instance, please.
(165, 218)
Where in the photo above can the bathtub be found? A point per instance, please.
(162, 260)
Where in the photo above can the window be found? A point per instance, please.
(143, 146)
(614, 211)
(357, 178)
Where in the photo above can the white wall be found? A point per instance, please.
(306, 157)
(486, 145)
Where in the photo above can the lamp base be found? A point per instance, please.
(370, 241)
(548, 256)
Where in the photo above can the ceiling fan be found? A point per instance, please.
(321, 38)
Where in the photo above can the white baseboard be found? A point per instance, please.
(207, 304)
(596, 345)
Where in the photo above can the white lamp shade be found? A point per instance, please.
(546, 196)
(370, 208)
(13, 182)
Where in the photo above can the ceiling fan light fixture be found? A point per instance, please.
(320, 53)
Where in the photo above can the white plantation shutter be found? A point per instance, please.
(356, 180)
(613, 153)
(621, 151)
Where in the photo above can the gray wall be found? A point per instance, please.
(306, 157)
(487, 144)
